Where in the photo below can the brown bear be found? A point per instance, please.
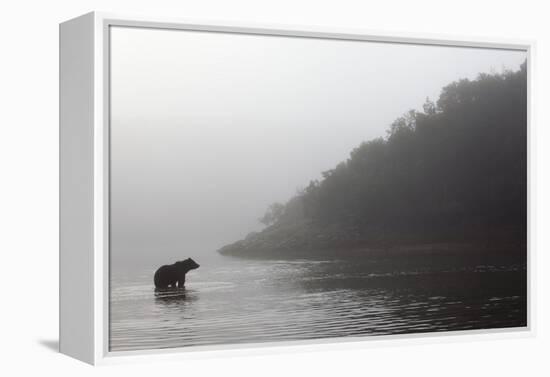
(169, 275)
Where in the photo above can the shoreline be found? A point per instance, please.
(399, 250)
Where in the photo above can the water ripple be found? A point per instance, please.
(259, 301)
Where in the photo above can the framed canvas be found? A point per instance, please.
(235, 188)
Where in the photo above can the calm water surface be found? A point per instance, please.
(230, 300)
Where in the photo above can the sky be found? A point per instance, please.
(208, 129)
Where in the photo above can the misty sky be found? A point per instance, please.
(208, 129)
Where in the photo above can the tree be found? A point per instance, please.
(273, 214)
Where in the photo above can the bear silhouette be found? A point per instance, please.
(172, 274)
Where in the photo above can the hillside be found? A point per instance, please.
(454, 172)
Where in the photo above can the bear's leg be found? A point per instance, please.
(181, 283)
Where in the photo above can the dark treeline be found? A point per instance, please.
(456, 171)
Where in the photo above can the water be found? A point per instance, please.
(230, 300)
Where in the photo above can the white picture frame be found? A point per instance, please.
(84, 183)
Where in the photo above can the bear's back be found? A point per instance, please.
(164, 275)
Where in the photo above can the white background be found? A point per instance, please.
(29, 187)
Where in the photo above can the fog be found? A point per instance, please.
(208, 129)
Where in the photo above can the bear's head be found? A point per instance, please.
(188, 264)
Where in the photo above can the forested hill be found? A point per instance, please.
(454, 172)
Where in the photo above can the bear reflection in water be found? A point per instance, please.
(174, 296)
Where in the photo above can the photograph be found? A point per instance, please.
(267, 189)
